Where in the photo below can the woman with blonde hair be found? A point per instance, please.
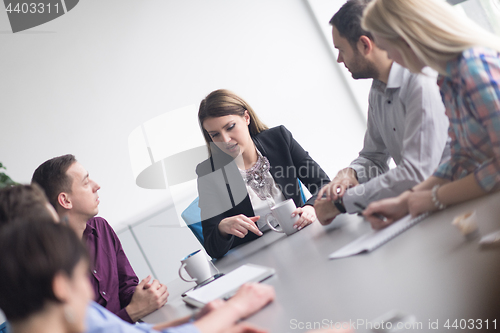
(250, 169)
(419, 33)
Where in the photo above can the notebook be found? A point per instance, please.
(227, 285)
(376, 238)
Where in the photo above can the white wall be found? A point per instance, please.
(81, 83)
(323, 10)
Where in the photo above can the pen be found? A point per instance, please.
(379, 216)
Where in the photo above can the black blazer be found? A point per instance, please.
(223, 193)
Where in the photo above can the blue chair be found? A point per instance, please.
(192, 216)
(302, 195)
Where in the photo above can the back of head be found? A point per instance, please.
(347, 20)
(222, 102)
(432, 29)
(23, 202)
(52, 177)
(31, 254)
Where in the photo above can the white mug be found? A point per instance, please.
(197, 266)
(282, 212)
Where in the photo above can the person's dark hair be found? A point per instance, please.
(23, 202)
(31, 254)
(51, 176)
(222, 102)
(348, 21)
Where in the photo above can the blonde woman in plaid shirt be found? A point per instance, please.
(419, 33)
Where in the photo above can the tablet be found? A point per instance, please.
(227, 285)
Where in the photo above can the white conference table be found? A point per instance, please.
(430, 271)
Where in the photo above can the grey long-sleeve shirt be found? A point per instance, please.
(406, 121)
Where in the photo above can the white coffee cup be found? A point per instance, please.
(197, 266)
(282, 212)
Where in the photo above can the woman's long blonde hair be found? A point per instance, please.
(431, 28)
(223, 102)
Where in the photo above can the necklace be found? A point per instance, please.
(258, 177)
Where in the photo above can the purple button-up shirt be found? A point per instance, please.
(113, 278)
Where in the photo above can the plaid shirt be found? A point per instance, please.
(471, 94)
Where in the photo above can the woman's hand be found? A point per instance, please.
(307, 216)
(420, 202)
(239, 226)
(392, 209)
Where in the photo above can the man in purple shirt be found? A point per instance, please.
(74, 196)
(28, 203)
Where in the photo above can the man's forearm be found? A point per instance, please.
(367, 169)
(390, 184)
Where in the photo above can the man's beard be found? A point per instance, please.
(362, 68)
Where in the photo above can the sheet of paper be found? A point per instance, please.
(376, 238)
